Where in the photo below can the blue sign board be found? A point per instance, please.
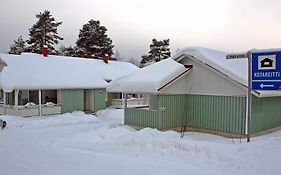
(266, 71)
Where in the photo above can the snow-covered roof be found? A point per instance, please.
(148, 79)
(33, 71)
(235, 69)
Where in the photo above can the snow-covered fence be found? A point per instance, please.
(30, 110)
(132, 102)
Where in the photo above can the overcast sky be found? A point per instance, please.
(228, 25)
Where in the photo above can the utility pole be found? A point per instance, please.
(249, 96)
(248, 55)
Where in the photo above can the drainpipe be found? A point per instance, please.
(16, 99)
(249, 97)
(126, 98)
(40, 103)
(5, 102)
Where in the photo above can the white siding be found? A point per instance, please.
(205, 80)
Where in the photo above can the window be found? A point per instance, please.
(34, 97)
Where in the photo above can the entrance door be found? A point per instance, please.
(88, 101)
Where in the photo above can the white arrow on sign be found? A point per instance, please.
(266, 85)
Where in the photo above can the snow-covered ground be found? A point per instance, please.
(83, 144)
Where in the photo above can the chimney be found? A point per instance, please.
(105, 59)
(44, 51)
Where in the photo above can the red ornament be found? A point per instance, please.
(105, 59)
(44, 51)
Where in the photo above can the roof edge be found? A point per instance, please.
(174, 79)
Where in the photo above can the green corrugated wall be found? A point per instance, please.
(72, 100)
(173, 110)
(99, 96)
(142, 117)
(266, 113)
(218, 113)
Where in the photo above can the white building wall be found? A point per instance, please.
(204, 80)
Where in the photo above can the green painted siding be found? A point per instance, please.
(266, 113)
(99, 96)
(173, 110)
(219, 113)
(72, 100)
(142, 117)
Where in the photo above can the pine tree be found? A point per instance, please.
(18, 46)
(44, 33)
(159, 50)
(93, 41)
(68, 51)
(146, 60)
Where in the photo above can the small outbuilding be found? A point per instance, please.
(199, 90)
(32, 84)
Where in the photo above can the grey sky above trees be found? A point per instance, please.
(229, 25)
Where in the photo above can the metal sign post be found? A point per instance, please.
(249, 96)
(248, 55)
(264, 74)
